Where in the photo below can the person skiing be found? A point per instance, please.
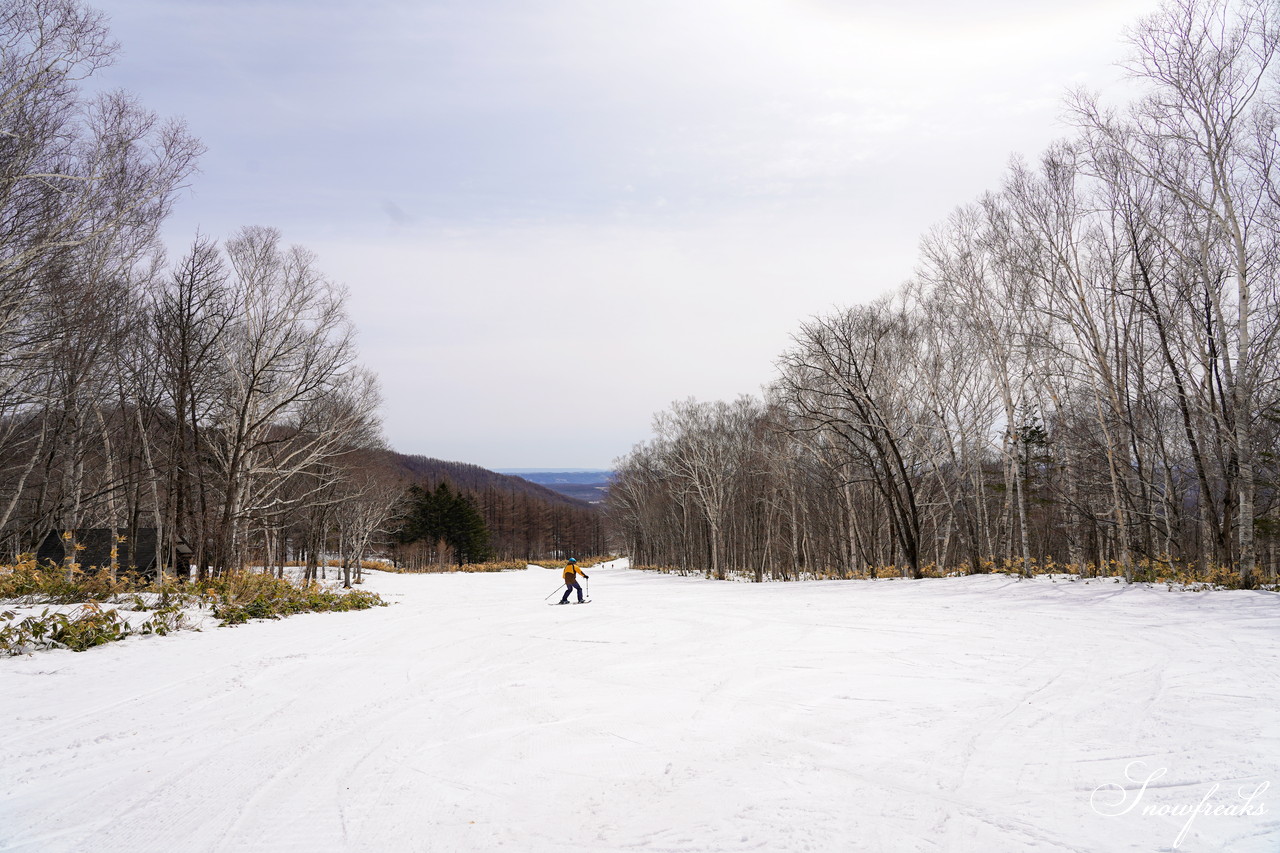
(571, 571)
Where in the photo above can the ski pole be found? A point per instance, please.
(557, 589)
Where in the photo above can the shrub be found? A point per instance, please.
(91, 626)
(235, 598)
(583, 563)
(242, 596)
(29, 582)
(445, 568)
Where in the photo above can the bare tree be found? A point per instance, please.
(1205, 135)
(291, 396)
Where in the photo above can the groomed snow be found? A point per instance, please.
(977, 714)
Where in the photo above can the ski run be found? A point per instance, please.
(980, 714)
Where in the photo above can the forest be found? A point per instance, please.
(521, 520)
(215, 398)
(1081, 375)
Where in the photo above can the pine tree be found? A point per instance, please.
(448, 516)
(465, 530)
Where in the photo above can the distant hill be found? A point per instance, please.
(476, 479)
(584, 484)
(526, 520)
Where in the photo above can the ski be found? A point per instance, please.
(558, 603)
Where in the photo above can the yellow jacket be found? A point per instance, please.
(571, 570)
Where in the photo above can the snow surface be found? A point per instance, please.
(671, 714)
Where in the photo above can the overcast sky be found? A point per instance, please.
(555, 217)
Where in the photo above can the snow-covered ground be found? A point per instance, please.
(977, 714)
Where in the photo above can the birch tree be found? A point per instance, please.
(1205, 134)
(291, 394)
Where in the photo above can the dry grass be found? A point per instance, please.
(233, 598)
(583, 563)
(1145, 571)
(444, 568)
(496, 566)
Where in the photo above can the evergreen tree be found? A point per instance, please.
(448, 516)
(464, 528)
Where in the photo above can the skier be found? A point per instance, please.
(571, 571)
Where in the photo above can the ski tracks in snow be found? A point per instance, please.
(675, 714)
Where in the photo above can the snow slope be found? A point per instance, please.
(671, 714)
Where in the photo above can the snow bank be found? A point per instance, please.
(675, 714)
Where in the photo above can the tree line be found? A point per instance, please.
(1083, 372)
(445, 518)
(521, 520)
(216, 398)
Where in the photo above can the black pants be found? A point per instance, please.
(570, 586)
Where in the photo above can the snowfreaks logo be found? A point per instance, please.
(1112, 800)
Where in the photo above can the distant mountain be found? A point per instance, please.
(584, 484)
(522, 471)
(526, 520)
(474, 478)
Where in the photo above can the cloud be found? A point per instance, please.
(517, 326)
(547, 110)
(557, 216)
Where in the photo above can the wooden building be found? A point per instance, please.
(133, 555)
